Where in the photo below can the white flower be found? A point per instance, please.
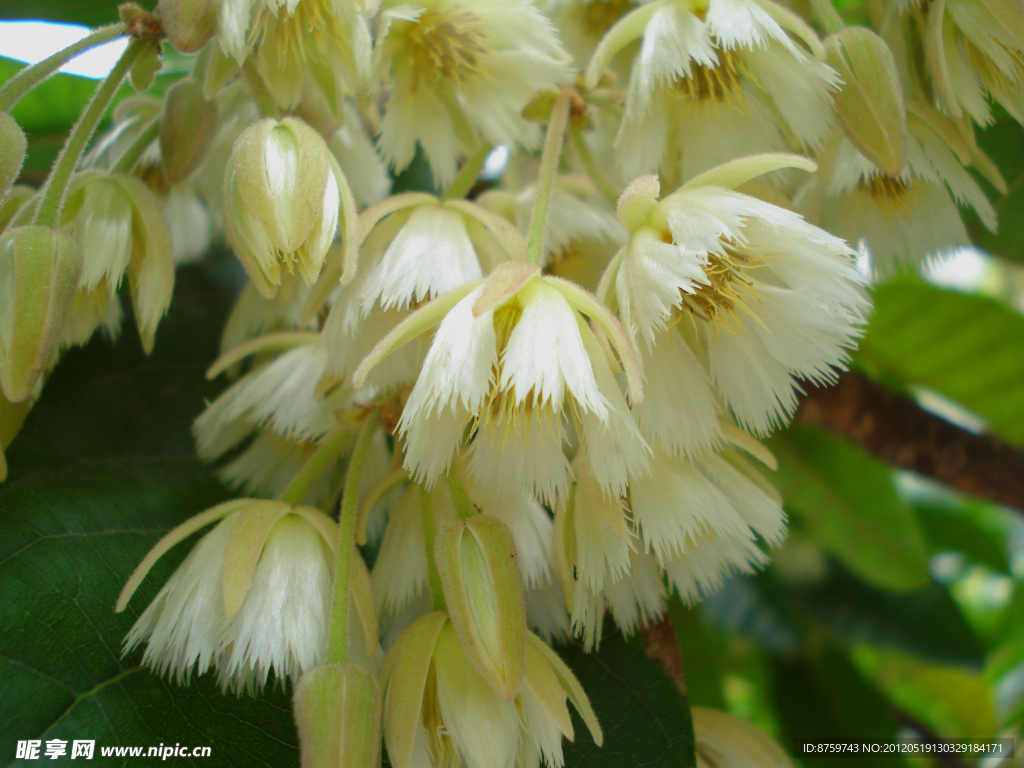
(599, 562)
(701, 517)
(904, 219)
(415, 247)
(254, 596)
(462, 73)
(976, 52)
(710, 81)
(121, 230)
(510, 361)
(771, 299)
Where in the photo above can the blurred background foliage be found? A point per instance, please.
(895, 607)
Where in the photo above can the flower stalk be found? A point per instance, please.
(56, 188)
(549, 158)
(337, 639)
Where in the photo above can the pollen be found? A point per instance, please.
(891, 193)
(302, 35)
(733, 281)
(447, 45)
(713, 83)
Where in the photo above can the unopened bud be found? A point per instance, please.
(870, 104)
(338, 714)
(12, 151)
(188, 24)
(186, 127)
(282, 201)
(727, 741)
(476, 559)
(39, 269)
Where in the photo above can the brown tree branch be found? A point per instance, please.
(898, 431)
(663, 646)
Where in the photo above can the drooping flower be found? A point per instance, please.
(975, 52)
(771, 299)
(908, 218)
(253, 597)
(711, 81)
(462, 72)
(511, 361)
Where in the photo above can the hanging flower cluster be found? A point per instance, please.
(539, 386)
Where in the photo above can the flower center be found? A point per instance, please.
(733, 281)
(302, 35)
(713, 83)
(446, 44)
(890, 193)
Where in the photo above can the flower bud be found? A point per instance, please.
(282, 201)
(476, 559)
(727, 741)
(12, 151)
(870, 104)
(338, 714)
(188, 24)
(186, 128)
(39, 269)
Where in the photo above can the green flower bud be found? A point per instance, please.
(476, 559)
(870, 104)
(186, 128)
(18, 197)
(282, 201)
(188, 24)
(338, 714)
(39, 268)
(12, 152)
(727, 741)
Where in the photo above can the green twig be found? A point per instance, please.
(828, 16)
(469, 173)
(127, 162)
(337, 640)
(28, 78)
(464, 506)
(315, 465)
(56, 187)
(546, 178)
(429, 534)
(593, 170)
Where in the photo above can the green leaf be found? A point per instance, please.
(967, 528)
(821, 698)
(646, 722)
(968, 348)
(103, 467)
(846, 501)
(91, 13)
(926, 623)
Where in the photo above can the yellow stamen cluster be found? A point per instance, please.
(713, 83)
(447, 45)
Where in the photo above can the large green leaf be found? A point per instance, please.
(968, 348)
(970, 528)
(846, 501)
(103, 467)
(646, 723)
(822, 698)
(926, 623)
